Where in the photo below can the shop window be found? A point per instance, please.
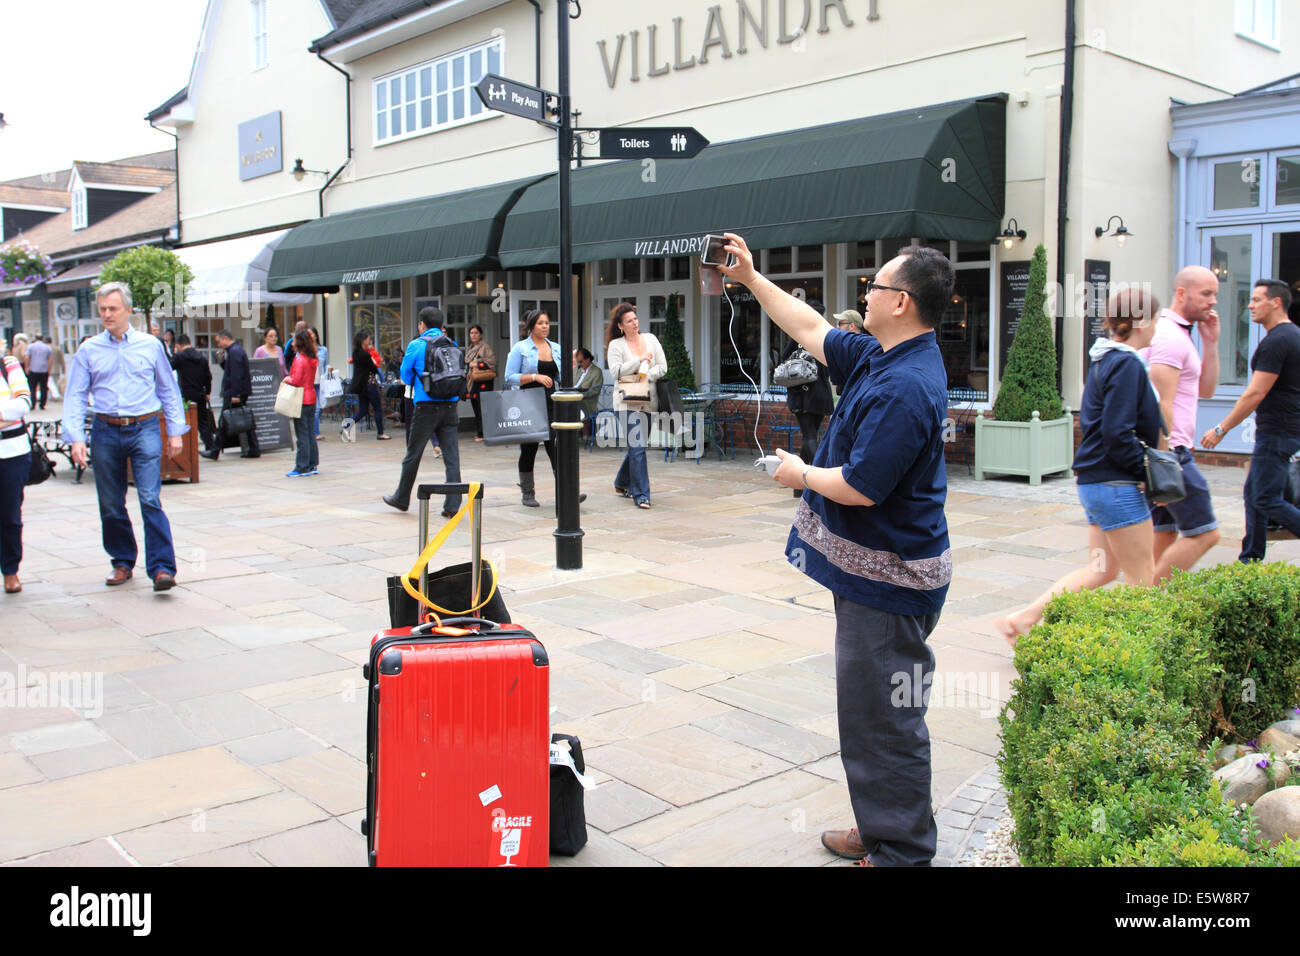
(1230, 260)
(380, 318)
(780, 261)
(679, 268)
(973, 252)
(809, 259)
(1258, 20)
(861, 255)
(1236, 184)
(434, 95)
(1286, 190)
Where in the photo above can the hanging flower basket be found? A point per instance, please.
(21, 263)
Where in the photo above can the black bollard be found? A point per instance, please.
(568, 525)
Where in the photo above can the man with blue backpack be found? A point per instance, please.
(435, 366)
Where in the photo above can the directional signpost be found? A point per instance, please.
(517, 99)
(656, 142)
(649, 142)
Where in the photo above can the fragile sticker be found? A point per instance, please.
(490, 795)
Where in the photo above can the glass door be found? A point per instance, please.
(1282, 256)
(1233, 255)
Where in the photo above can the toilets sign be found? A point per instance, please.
(517, 99)
(650, 142)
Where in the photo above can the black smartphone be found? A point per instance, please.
(714, 253)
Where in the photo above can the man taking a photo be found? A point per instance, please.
(871, 528)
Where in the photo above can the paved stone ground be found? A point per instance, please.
(694, 663)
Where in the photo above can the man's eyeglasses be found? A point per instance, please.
(873, 284)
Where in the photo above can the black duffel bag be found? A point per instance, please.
(568, 809)
(449, 588)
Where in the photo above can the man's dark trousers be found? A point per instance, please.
(883, 669)
(207, 432)
(39, 382)
(1265, 493)
(429, 419)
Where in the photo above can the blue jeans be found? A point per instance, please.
(13, 480)
(633, 474)
(111, 447)
(1265, 493)
(304, 429)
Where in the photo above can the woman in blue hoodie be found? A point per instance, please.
(1120, 413)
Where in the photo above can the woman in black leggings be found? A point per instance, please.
(365, 383)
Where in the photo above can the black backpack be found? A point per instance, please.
(444, 368)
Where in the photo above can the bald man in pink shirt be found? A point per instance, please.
(1187, 529)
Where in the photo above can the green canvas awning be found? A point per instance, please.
(397, 240)
(937, 172)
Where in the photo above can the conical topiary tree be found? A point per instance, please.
(1029, 382)
(674, 343)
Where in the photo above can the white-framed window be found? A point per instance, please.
(80, 218)
(257, 27)
(434, 95)
(1259, 20)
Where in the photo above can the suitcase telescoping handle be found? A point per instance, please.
(424, 493)
(431, 626)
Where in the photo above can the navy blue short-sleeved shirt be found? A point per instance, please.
(886, 436)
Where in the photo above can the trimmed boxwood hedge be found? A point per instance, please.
(1121, 692)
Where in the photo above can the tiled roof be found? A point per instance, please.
(55, 180)
(150, 216)
(11, 195)
(120, 174)
(363, 17)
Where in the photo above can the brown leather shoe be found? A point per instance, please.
(845, 843)
(12, 584)
(120, 575)
(162, 581)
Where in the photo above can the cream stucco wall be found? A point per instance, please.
(214, 202)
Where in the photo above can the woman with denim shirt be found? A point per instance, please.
(533, 363)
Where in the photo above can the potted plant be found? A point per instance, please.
(1031, 432)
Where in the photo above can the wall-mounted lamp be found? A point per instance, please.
(298, 172)
(1012, 234)
(1121, 232)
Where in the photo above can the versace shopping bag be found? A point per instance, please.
(514, 416)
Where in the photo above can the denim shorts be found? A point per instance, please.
(1194, 514)
(1114, 506)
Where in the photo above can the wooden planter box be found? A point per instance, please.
(1034, 448)
(185, 466)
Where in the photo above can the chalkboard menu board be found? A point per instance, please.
(1096, 275)
(1015, 280)
(272, 429)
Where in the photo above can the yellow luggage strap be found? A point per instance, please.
(436, 542)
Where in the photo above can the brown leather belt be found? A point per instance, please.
(127, 421)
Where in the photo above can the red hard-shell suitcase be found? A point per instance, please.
(458, 744)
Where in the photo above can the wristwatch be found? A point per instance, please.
(1218, 430)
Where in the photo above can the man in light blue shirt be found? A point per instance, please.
(125, 374)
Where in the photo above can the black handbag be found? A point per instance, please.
(237, 420)
(568, 809)
(1164, 473)
(41, 467)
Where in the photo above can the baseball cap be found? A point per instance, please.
(849, 315)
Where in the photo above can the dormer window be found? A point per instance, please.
(80, 219)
